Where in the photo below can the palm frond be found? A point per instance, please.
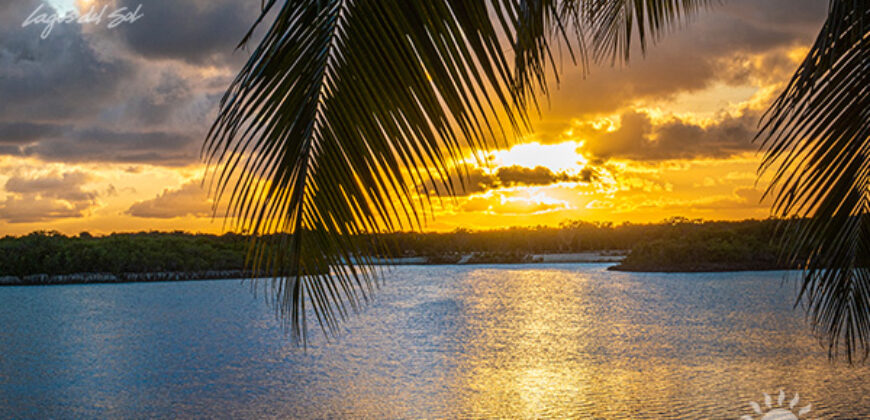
(817, 140)
(347, 110)
(615, 23)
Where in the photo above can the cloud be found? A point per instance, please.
(47, 197)
(639, 138)
(539, 175)
(15, 133)
(61, 78)
(83, 97)
(188, 200)
(741, 198)
(194, 31)
(167, 93)
(738, 42)
(65, 186)
(145, 94)
(477, 181)
(77, 93)
(503, 205)
(103, 145)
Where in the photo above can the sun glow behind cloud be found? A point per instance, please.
(667, 135)
(561, 157)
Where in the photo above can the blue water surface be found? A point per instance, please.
(510, 341)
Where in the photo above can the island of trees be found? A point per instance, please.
(676, 244)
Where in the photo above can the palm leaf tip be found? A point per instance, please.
(815, 136)
(616, 24)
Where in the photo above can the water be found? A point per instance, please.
(566, 340)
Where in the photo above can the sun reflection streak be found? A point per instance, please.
(550, 344)
(522, 363)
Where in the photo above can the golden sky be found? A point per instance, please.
(100, 128)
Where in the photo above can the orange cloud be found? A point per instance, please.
(506, 205)
(188, 200)
(45, 197)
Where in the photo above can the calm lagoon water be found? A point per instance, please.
(566, 340)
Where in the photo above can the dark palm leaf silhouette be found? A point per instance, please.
(348, 112)
(817, 140)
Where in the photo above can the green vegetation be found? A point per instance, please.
(55, 254)
(677, 244)
(718, 246)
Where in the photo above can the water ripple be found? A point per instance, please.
(557, 341)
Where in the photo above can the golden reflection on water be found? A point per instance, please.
(523, 361)
(559, 341)
(548, 343)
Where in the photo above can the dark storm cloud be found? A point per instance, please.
(195, 31)
(100, 145)
(62, 77)
(161, 102)
(74, 97)
(795, 15)
(16, 133)
(10, 150)
(639, 139)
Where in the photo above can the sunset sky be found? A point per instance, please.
(100, 129)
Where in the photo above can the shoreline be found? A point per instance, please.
(599, 257)
(701, 268)
(179, 276)
(110, 278)
(477, 258)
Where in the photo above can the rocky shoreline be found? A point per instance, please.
(457, 259)
(97, 278)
